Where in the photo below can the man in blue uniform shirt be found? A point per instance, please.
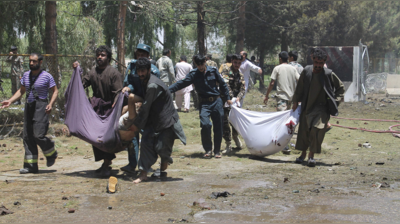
(206, 80)
(133, 85)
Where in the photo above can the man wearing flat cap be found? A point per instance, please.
(132, 84)
(17, 70)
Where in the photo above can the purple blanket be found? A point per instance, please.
(84, 123)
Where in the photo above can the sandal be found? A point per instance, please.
(207, 155)
(112, 185)
(218, 156)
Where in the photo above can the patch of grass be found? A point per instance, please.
(72, 203)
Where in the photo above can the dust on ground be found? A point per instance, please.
(347, 185)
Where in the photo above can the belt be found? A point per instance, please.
(209, 99)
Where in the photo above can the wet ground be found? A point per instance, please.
(347, 185)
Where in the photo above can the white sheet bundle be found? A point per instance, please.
(265, 133)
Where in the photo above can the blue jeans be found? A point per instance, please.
(216, 112)
(133, 152)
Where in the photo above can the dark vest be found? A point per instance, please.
(325, 80)
(162, 113)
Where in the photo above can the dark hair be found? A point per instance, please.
(229, 58)
(245, 54)
(104, 48)
(143, 63)
(319, 54)
(199, 59)
(40, 57)
(165, 51)
(237, 57)
(284, 56)
(209, 56)
(294, 54)
(183, 58)
(253, 58)
(312, 51)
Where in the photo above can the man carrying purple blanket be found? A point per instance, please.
(105, 81)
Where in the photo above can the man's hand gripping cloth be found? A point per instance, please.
(84, 123)
(265, 133)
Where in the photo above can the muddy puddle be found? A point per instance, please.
(231, 217)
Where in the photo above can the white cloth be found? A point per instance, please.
(286, 77)
(265, 133)
(182, 69)
(122, 120)
(245, 69)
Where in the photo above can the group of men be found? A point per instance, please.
(319, 91)
(150, 89)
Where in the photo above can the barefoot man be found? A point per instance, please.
(159, 120)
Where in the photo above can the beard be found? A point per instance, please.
(34, 67)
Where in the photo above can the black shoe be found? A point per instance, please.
(27, 170)
(299, 160)
(51, 160)
(128, 169)
(106, 172)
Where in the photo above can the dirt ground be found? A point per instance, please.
(347, 185)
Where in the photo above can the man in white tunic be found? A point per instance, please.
(245, 69)
(182, 69)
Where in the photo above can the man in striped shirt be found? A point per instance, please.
(36, 83)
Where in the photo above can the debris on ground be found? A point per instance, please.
(64, 198)
(9, 181)
(285, 180)
(162, 194)
(201, 203)
(71, 210)
(17, 203)
(215, 195)
(381, 185)
(367, 145)
(296, 191)
(379, 163)
(176, 221)
(109, 207)
(315, 190)
(5, 211)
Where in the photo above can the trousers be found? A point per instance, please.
(227, 127)
(213, 110)
(186, 97)
(155, 144)
(15, 84)
(36, 125)
(309, 137)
